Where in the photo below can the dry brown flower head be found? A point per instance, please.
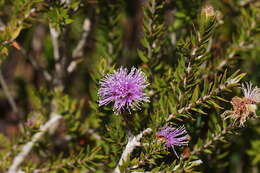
(244, 108)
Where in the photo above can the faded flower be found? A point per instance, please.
(174, 137)
(246, 106)
(125, 89)
(251, 93)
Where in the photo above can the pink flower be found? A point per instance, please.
(174, 137)
(125, 89)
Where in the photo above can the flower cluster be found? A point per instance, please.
(125, 89)
(246, 106)
(173, 137)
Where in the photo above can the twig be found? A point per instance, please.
(133, 142)
(7, 93)
(199, 101)
(53, 121)
(240, 46)
(19, 23)
(150, 28)
(66, 2)
(215, 138)
(78, 51)
(56, 52)
(54, 39)
(93, 133)
(52, 124)
(34, 63)
(230, 56)
(46, 75)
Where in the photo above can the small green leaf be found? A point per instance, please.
(199, 111)
(195, 94)
(142, 56)
(214, 104)
(207, 151)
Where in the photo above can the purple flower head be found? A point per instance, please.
(174, 137)
(125, 89)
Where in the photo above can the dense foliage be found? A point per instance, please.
(129, 86)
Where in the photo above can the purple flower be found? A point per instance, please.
(174, 137)
(125, 89)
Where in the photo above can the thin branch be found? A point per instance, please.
(35, 64)
(94, 134)
(225, 61)
(20, 23)
(51, 125)
(133, 142)
(66, 2)
(56, 52)
(79, 50)
(239, 46)
(150, 22)
(200, 100)
(18, 160)
(7, 93)
(55, 42)
(46, 75)
(215, 138)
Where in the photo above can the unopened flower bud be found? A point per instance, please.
(208, 11)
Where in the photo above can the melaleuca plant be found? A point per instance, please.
(129, 86)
